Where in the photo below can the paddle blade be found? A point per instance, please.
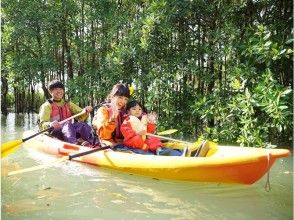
(9, 147)
(170, 131)
(39, 167)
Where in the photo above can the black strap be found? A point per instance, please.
(94, 134)
(88, 152)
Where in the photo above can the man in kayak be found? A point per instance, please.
(57, 109)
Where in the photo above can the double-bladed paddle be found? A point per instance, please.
(166, 132)
(201, 147)
(11, 146)
(168, 138)
(69, 157)
(59, 160)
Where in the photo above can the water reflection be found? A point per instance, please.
(15, 124)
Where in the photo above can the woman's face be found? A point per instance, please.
(120, 101)
(136, 111)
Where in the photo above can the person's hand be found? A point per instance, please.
(55, 124)
(88, 109)
(145, 147)
(152, 118)
(142, 132)
(158, 150)
(114, 108)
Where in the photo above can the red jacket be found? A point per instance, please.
(133, 140)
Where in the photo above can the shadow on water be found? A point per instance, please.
(72, 190)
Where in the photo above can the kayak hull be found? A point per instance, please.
(223, 164)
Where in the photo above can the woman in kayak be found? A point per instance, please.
(135, 129)
(57, 109)
(109, 117)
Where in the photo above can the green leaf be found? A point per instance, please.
(287, 91)
(282, 51)
(268, 43)
(267, 36)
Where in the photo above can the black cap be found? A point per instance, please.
(55, 84)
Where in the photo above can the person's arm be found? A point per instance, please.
(44, 115)
(153, 143)
(151, 128)
(75, 109)
(151, 122)
(103, 124)
(131, 137)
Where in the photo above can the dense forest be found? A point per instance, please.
(220, 70)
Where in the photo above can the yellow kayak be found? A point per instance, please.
(221, 164)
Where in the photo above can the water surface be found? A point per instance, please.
(75, 191)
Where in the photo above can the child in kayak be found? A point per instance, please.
(57, 109)
(135, 129)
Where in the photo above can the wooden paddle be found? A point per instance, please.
(201, 147)
(11, 146)
(166, 132)
(59, 160)
(168, 138)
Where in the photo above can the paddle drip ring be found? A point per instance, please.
(267, 186)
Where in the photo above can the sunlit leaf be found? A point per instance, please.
(283, 107)
(287, 91)
(268, 43)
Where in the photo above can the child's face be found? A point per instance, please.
(135, 111)
(57, 93)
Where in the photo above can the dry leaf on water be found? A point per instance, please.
(22, 206)
(8, 167)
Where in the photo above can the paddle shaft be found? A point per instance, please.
(69, 157)
(167, 138)
(61, 122)
(11, 146)
(87, 152)
(167, 132)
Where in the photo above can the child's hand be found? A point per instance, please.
(152, 117)
(142, 132)
(158, 150)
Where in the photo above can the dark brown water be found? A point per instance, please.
(78, 191)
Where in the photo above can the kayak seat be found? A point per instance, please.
(203, 149)
(186, 152)
(125, 149)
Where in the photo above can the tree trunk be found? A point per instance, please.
(32, 102)
(4, 91)
(68, 54)
(65, 43)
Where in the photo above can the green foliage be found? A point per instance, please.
(217, 70)
(258, 109)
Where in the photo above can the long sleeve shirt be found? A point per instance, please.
(46, 109)
(103, 124)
